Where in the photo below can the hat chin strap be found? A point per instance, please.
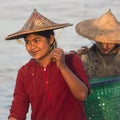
(58, 37)
(53, 45)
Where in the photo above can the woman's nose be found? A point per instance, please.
(32, 45)
(104, 46)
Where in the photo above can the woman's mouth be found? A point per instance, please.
(33, 53)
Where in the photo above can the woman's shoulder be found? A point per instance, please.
(82, 51)
(72, 57)
(71, 54)
(26, 66)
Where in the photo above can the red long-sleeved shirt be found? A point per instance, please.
(47, 92)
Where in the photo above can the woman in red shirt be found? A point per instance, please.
(52, 82)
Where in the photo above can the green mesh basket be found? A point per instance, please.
(104, 101)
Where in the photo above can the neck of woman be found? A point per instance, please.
(44, 61)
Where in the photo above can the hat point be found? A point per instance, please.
(35, 10)
(109, 10)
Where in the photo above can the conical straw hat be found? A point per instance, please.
(103, 29)
(36, 23)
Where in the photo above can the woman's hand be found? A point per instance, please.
(59, 56)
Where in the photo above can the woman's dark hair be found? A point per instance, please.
(46, 33)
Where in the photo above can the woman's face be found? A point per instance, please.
(105, 48)
(38, 46)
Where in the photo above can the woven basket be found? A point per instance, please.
(104, 101)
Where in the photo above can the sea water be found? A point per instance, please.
(13, 15)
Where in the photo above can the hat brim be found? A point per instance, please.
(90, 30)
(21, 33)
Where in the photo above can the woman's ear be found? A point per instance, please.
(52, 39)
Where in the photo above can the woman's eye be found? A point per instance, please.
(26, 42)
(37, 40)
